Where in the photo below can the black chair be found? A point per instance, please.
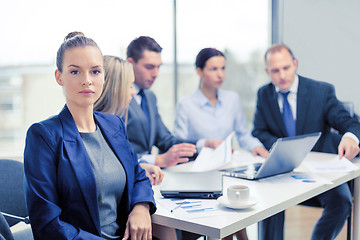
(12, 197)
(5, 233)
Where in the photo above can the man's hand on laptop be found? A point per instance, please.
(178, 153)
(262, 152)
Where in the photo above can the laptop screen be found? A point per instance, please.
(285, 155)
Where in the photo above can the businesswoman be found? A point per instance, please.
(115, 99)
(212, 113)
(82, 178)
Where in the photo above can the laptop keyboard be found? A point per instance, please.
(251, 168)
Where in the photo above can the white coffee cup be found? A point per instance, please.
(238, 193)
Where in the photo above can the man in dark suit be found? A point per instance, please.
(293, 105)
(145, 127)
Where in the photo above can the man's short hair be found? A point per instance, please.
(137, 47)
(277, 48)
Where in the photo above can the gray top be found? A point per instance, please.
(110, 180)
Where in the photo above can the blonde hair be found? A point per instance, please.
(115, 96)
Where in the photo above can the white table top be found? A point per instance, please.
(272, 198)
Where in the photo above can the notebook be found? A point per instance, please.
(285, 155)
(206, 185)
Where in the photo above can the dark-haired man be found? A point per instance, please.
(293, 105)
(145, 127)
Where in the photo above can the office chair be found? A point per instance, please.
(349, 106)
(5, 233)
(12, 197)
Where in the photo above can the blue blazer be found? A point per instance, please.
(137, 128)
(318, 110)
(60, 183)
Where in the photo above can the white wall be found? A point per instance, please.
(325, 37)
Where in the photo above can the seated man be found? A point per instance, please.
(145, 127)
(293, 105)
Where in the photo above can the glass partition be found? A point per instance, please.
(33, 31)
(237, 28)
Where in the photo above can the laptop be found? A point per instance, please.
(205, 185)
(285, 155)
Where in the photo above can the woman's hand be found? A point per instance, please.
(262, 152)
(138, 225)
(213, 143)
(154, 173)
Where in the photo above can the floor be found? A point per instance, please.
(300, 221)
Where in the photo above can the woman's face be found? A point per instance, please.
(213, 74)
(82, 77)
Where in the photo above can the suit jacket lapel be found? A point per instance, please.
(302, 102)
(139, 114)
(81, 165)
(117, 143)
(152, 114)
(274, 105)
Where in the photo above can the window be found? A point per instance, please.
(237, 28)
(32, 35)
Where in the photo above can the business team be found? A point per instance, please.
(290, 105)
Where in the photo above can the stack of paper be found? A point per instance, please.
(212, 159)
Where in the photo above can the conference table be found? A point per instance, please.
(273, 197)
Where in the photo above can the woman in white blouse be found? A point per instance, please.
(210, 114)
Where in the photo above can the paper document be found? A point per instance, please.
(212, 159)
(245, 157)
(242, 158)
(333, 165)
(295, 178)
(191, 208)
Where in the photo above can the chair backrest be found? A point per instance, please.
(12, 197)
(335, 136)
(5, 232)
(349, 106)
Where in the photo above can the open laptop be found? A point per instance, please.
(285, 155)
(206, 185)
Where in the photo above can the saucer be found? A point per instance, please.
(242, 205)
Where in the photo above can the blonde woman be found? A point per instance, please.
(115, 99)
(118, 87)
